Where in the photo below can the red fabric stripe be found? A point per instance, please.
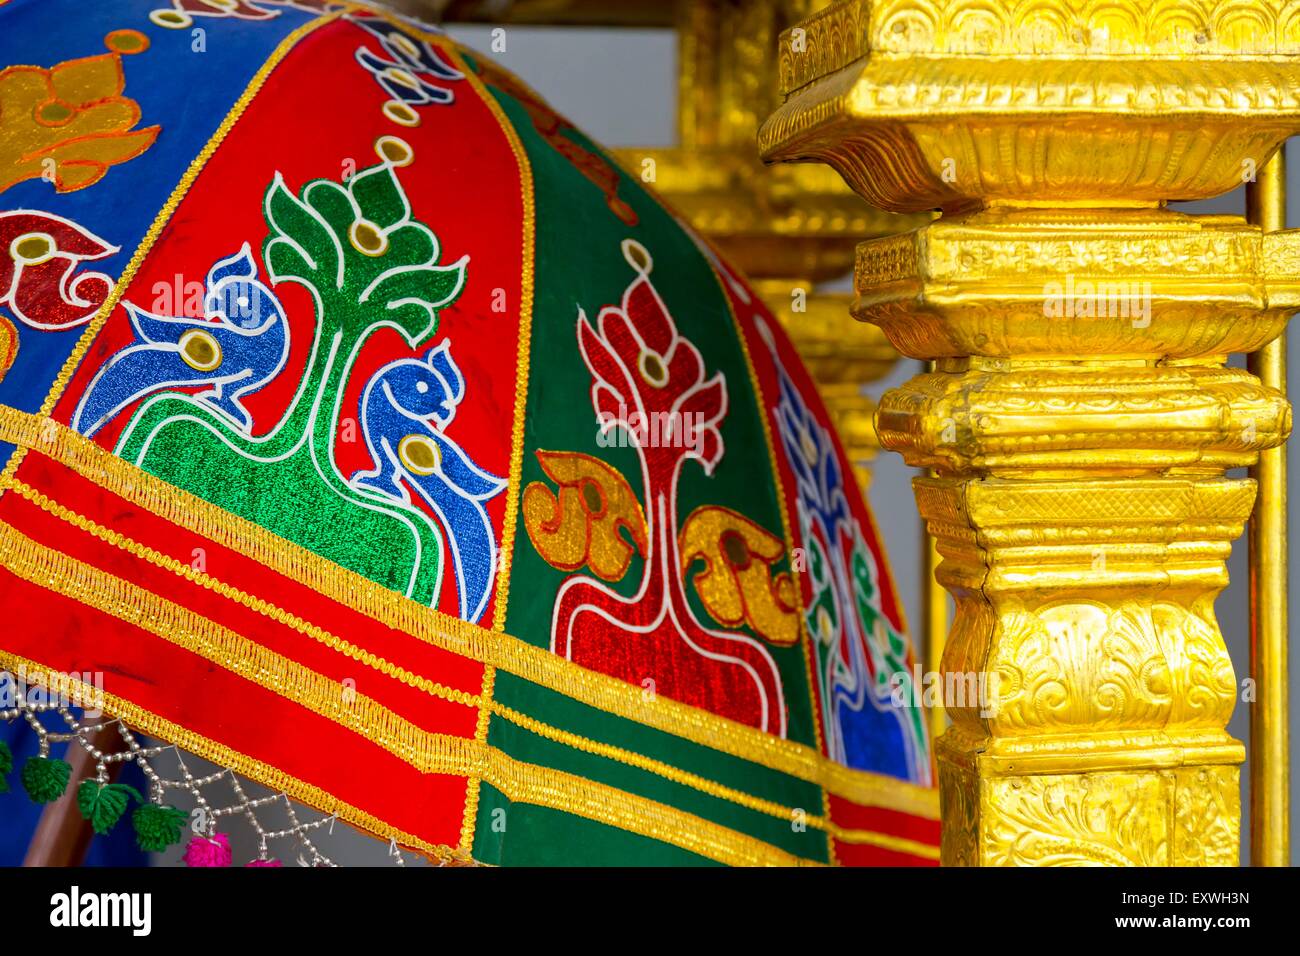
(232, 568)
(431, 713)
(853, 816)
(861, 855)
(66, 636)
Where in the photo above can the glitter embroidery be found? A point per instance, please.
(69, 124)
(640, 362)
(41, 280)
(368, 265)
(408, 72)
(239, 345)
(405, 411)
(860, 655)
(180, 14)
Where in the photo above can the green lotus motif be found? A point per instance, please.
(368, 265)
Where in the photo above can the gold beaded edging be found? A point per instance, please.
(150, 723)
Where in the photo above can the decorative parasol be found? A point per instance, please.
(371, 434)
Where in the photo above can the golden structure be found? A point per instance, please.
(1081, 417)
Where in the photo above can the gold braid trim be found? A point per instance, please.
(714, 789)
(544, 787)
(58, 572)
(520, 782)
(425, 751)
(265, 608)
(469, 822)
(769, 445)
(526, 279)
(534, 664)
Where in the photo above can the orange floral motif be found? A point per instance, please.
(737, 585)
(70, 123)
(581, 525)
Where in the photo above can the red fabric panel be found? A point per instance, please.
(232, 568)
(853, 816)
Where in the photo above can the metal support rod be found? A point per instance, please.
(935, 622)
(1270, 836)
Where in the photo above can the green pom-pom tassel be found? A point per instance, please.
(157, 827)
(45, 778)
(6, 764)
(104, 804)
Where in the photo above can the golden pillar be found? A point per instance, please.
(1080, 419)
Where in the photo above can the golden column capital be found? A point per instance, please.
(1081, 419)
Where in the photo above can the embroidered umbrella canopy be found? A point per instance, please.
(370, 433)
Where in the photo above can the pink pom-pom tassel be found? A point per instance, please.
(204, 852)
(271, 862)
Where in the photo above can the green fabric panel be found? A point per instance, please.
(809, 843)
(579, 263)
(575, 228)
(579, 718)
(538, 836)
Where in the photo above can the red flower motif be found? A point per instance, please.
(649, 381)
(40, 254)
(647, 377)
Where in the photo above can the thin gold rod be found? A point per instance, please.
(1270, 836)
(934, 620)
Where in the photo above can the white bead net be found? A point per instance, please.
(261, 824)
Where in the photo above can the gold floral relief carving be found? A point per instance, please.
(1207, 816)
(1102, 819)
(1074, 666)
(1086, 666)
(1078, 424)
(958, 807)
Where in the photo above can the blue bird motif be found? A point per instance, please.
(405, 75)
(241, 344)
(405, 410)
